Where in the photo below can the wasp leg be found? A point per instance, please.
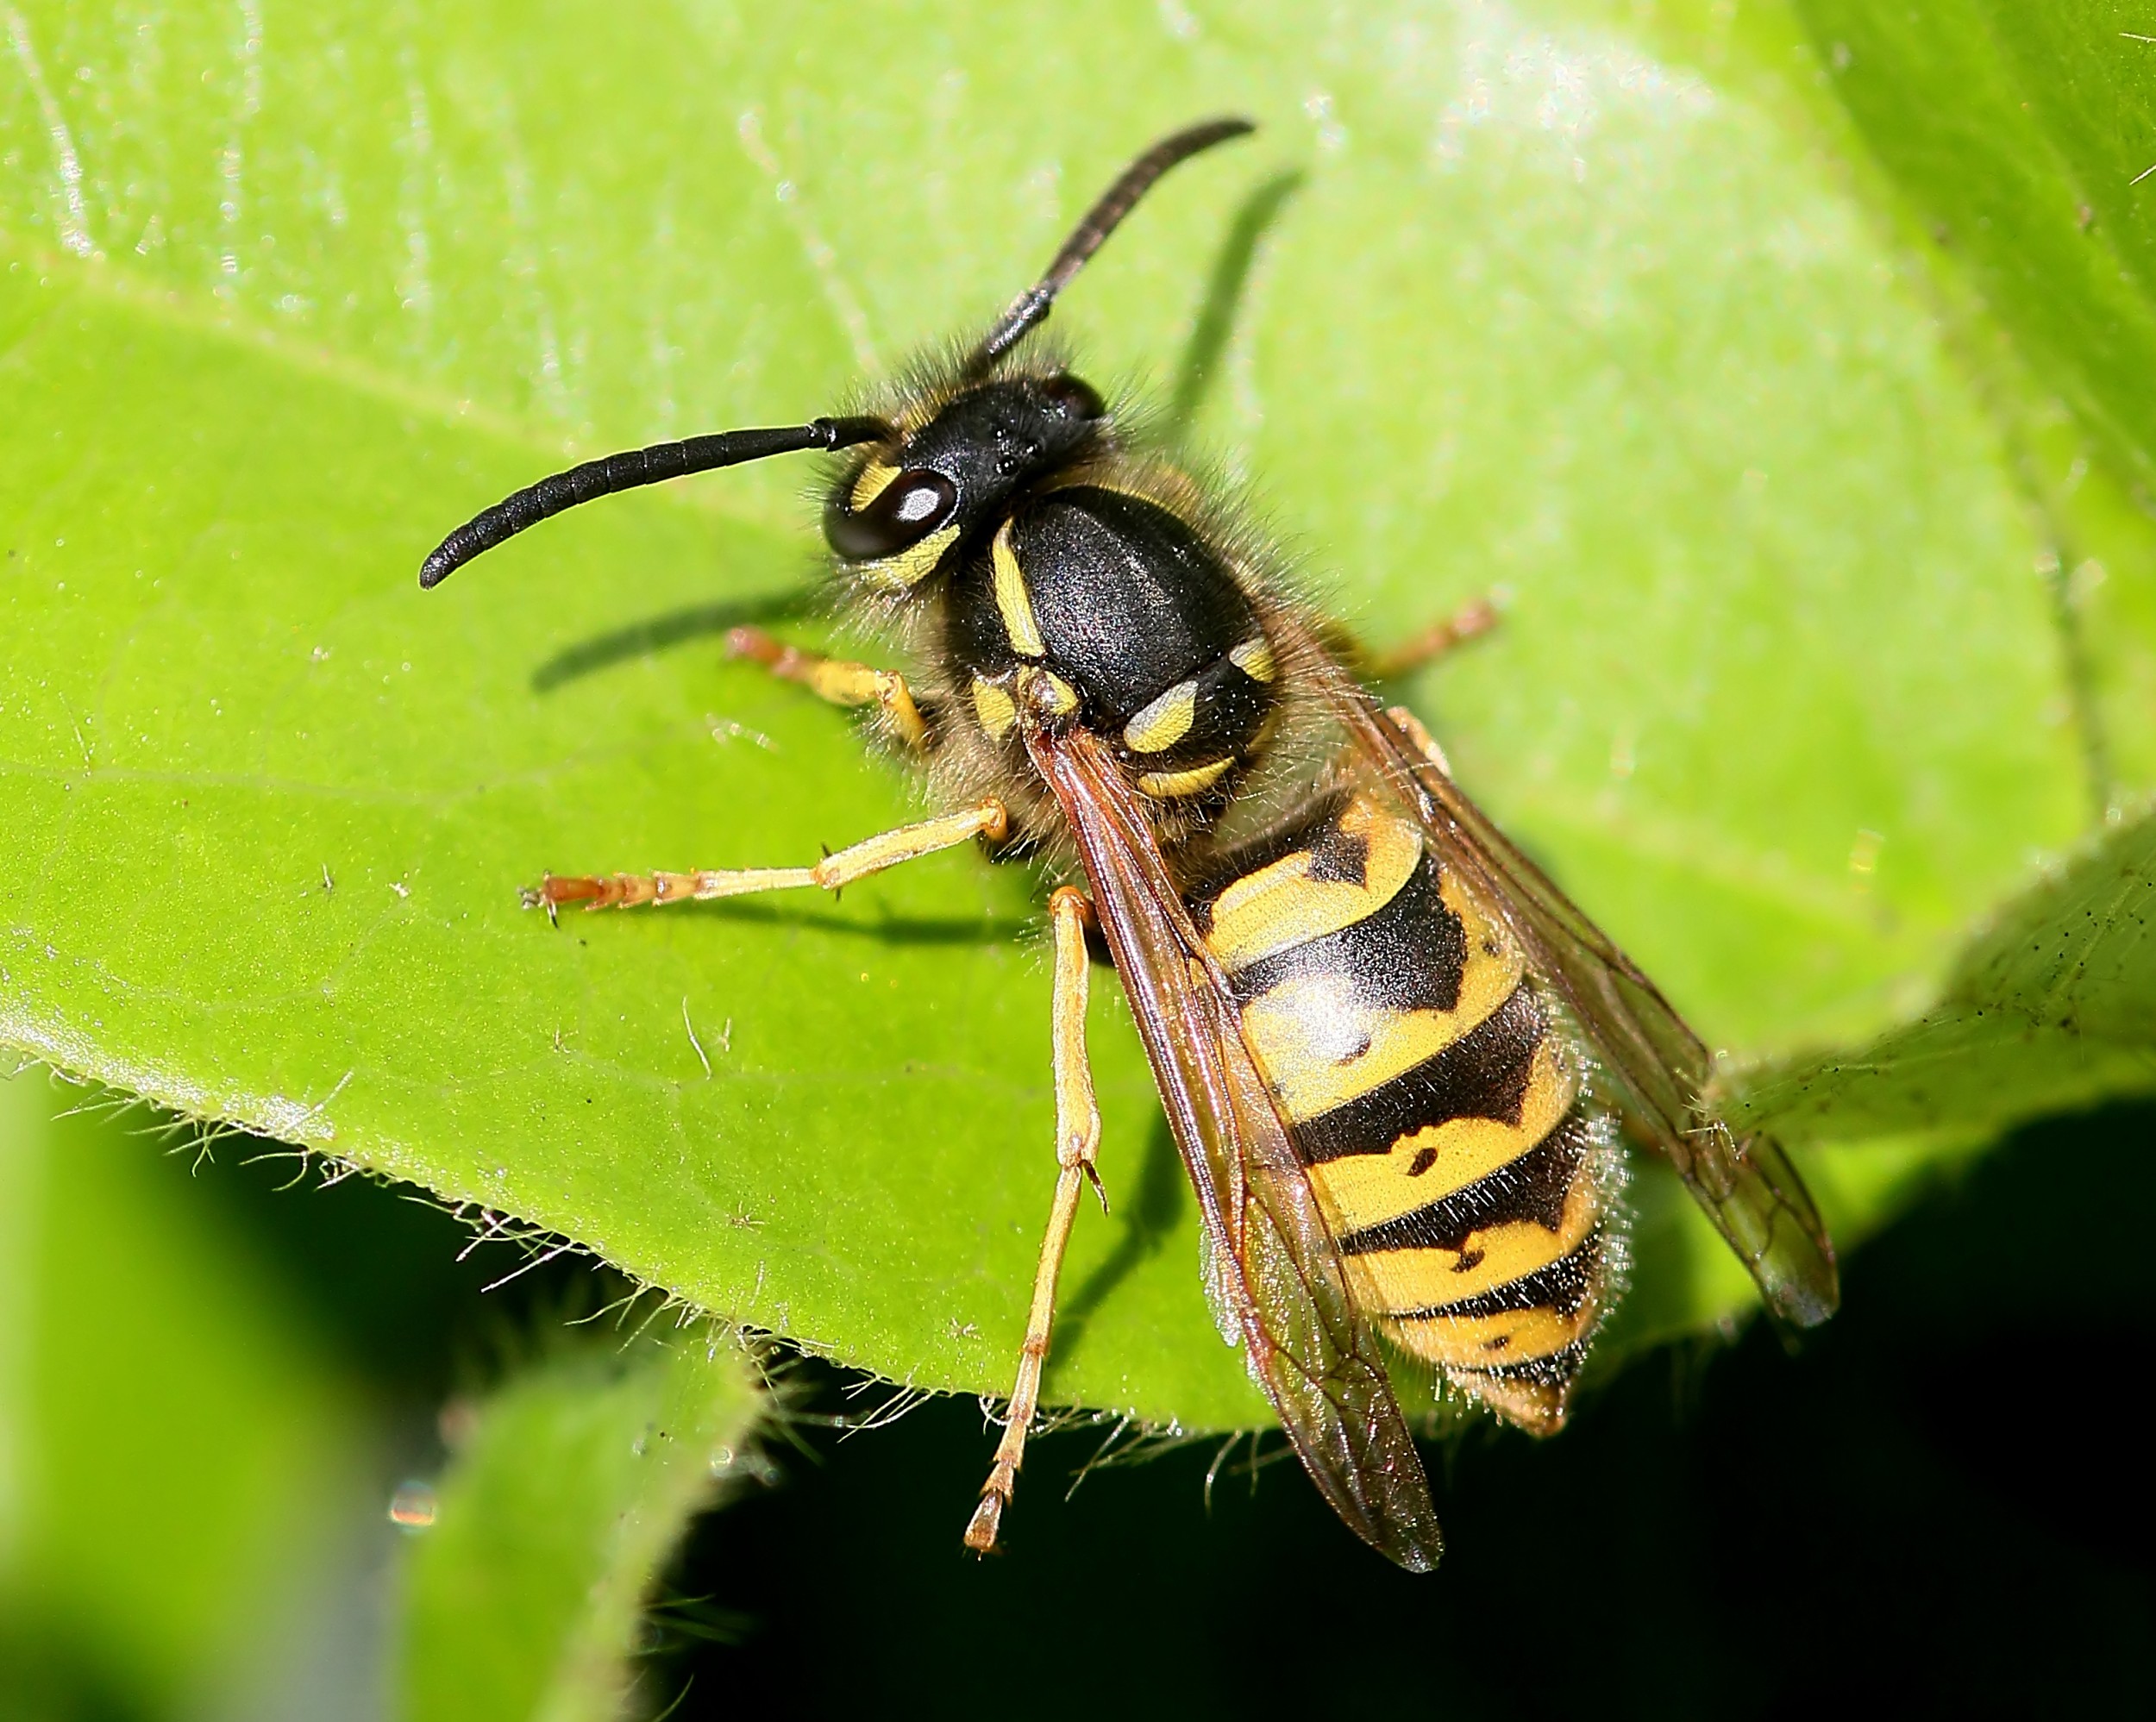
(625, 890)
(836, 679)
(1387, 663)
(1077, 1143)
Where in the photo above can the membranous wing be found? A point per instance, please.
(1275, 1264)
(1650, 1063)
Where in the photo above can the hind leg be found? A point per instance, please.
(1077, 1143)
(1388, 663)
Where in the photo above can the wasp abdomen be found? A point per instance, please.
(1124, 602)
(1464, 1175)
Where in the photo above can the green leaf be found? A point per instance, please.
(524, 1598)
(2051, 1008)
(2022, 134)
(179, 1463)
(2018, 139)
(1533, 304)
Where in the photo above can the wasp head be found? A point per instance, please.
(895, 517)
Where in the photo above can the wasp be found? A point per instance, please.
(1397, 1062)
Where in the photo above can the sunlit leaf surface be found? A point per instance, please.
(2051, 1008)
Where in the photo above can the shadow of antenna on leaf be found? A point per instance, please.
(668, 628)
(1224, 296)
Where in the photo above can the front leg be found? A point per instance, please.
(837, 679)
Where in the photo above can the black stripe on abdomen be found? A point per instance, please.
(1564, 1285)
(1483, 1074)
(1533, 1188)
(1410, 954)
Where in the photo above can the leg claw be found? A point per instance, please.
(981, 1531)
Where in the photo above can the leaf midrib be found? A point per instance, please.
(189, 315)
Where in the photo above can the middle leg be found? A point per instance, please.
(1077, 1143)
(986, 818)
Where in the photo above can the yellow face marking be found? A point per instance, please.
(1320, 1047)
(1013, 601)
(1166, 785)
(876, 479)
(1164, 722)
(993, 706)
(1489, 1342)
(1281, 905)
(1255, 659)
(1362, 1190)
(1395, 1280)
(910, 567)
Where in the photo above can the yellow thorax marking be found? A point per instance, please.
(995, 708)
(1255, 659)
(1011, 599)
(1281, 906)
(910, 567)
(1165, 786)
(1164, 721)
(1167, 488)
(1047, 690)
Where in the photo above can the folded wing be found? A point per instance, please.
(1276, 1266)
(1650, 1064)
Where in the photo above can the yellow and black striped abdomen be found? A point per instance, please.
(1468, 1180)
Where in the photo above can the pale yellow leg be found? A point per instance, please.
(909, 842)
(1077, 1143)
(841, 682)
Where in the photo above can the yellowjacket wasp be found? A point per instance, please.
(1395, 1058)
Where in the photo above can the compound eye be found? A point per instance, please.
(898, 518)
(1076, 398)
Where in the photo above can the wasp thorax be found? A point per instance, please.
(1098, 605)
(895, 517)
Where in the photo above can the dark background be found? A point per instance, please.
(1942, 1505)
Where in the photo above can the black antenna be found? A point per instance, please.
(1032, 306)
(541, 501)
